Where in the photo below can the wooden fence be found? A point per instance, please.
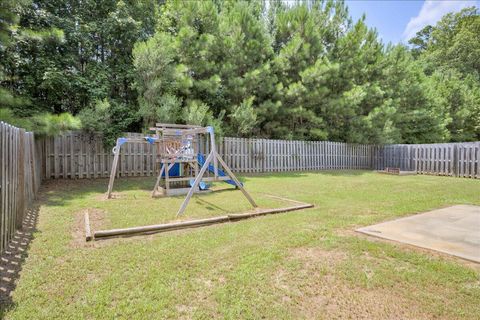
(20, 177)
(396, 156)
(449, 159)
(265, 155)
(77, 155)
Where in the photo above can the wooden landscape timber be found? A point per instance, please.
(88, 232)
(102, 234)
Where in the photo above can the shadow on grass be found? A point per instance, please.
(299, 174)
(61, 192)
(209, 206)
(13, 258)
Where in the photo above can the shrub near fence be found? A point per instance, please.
(20, 177)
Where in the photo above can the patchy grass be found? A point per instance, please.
(303, 264)
(133, 205)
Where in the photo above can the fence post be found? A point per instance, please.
(455, 160)
(414, 157)
(21, 180)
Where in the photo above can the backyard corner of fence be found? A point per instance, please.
(21, 161)
(460, 159)
(26, 161)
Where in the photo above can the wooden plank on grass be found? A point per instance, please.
(193, 223)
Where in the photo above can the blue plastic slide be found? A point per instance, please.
(221, 173)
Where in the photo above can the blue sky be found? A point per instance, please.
(397, 21)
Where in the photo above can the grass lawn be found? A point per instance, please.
(301, 264)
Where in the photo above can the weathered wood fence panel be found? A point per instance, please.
(20, 177)
(265, 155)
(467, 160)
(76, 155)
(447, 159)
(397, 156)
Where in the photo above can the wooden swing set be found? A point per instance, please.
(179, 146)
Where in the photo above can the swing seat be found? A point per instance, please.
(202, 185)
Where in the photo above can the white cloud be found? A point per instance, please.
(431, 12)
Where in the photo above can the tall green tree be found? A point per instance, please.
(293, 70)
(15, 107)
(84, 55)
(450, 55)
(206, 57)
(8, 21)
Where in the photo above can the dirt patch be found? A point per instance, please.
(314, 290)
(335, 300)
(97, 222)
(67, 184)
(184, 311)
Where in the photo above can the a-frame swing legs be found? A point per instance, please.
(213, 156)
(198, 178)
(238, 183)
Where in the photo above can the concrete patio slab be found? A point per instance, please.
(454, 230)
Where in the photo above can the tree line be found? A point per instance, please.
(249, 68)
